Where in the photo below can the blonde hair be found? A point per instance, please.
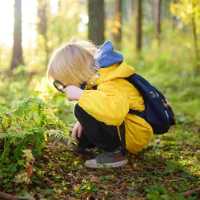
(73, 63)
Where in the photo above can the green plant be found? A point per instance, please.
(26, 126)
(86, 186)
(156, 192)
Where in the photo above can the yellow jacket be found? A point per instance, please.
(111, 101)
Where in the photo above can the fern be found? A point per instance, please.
(27, 120)
(27, 126)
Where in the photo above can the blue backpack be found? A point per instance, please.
(158, 112)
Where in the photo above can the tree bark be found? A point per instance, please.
(117, 33)
(138, 25)
(96, 22)
(157, 18)
(17, 55)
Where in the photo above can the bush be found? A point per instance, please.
(26, 121)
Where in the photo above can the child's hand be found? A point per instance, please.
(77, 130)
(73, 92)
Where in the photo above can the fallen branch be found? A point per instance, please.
(6, 196)
(190, 192)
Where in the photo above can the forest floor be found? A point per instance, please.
(168, 169)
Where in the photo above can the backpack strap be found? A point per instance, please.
(138, 113)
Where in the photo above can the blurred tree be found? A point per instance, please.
(117, 28)
(17, 54)
(189, 12)
(130, 8)
(96, 24)
(175, 20)
(157, 18)
(42, 13)
(138, 5)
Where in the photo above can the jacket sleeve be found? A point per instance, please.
(109, 106)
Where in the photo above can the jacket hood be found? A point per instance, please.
(107, 56)
(110, 65)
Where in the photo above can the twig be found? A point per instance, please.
(7, 196)
(190, 192)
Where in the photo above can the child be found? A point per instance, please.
(105, 102)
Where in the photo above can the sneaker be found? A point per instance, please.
(107, 160)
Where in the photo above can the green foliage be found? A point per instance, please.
(189, 12)
(65, 25)
(86, 186)
(156, 192)
(186, 10)
(25, 124)
(26, 127)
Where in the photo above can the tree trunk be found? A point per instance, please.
(42, 25)
(130, 6)
(117, 33)
(157, 18)
(17, 54)
(138, 25)
(96, 21)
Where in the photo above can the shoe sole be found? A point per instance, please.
(106, 165)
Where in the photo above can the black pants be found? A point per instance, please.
(96, 133)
